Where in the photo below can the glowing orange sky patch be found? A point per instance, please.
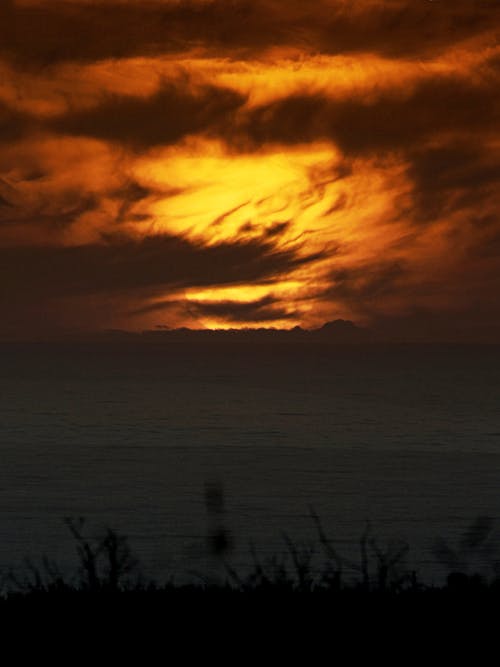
(225, 197)
(338, 159)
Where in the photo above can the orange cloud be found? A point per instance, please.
(229, 163)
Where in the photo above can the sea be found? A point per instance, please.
(399, 443)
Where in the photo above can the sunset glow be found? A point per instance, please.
(231, 164)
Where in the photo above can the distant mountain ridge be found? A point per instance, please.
(336, 331)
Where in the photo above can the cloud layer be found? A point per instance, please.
(227, 163)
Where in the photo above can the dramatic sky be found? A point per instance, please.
(232, 163)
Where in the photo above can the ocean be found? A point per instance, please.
(131, 436)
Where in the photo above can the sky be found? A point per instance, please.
(250, 163)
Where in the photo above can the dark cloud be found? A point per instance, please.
(359, 285)
(164, 118)
(58, 31)
(266, 309)
(403, 27)
(13, 125)
(457, 165)
(80, 205)
(277, 228)
(451, 177)
(7, 195)
(130, 194)
(122, 264)
(45, 215)
(472, 322)
(87, 32)
(405, 305)
(394, 121)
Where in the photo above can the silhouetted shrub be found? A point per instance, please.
(107, 565)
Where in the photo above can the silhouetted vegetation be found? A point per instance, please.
(106, 565)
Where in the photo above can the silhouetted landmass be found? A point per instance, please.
(335, 332)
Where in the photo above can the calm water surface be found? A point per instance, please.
(128, 436)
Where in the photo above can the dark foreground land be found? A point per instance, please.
(108, 574)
